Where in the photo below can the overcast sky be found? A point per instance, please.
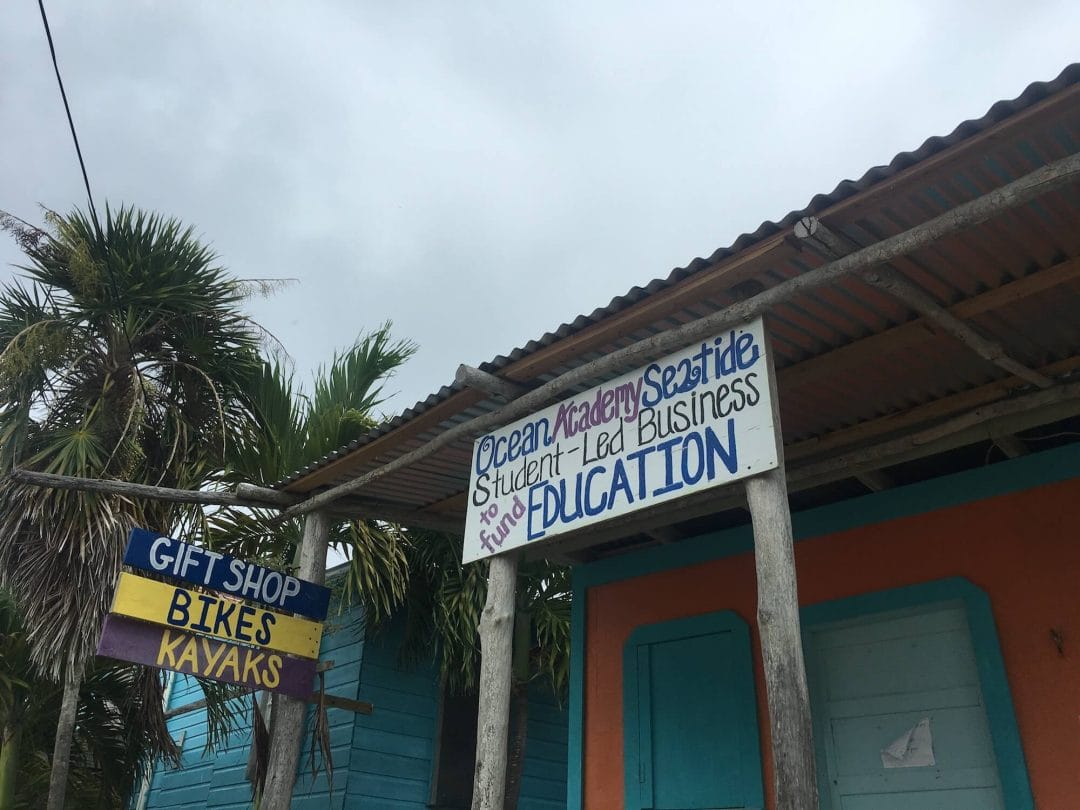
(480, 173)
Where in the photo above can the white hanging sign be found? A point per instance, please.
(698, 418)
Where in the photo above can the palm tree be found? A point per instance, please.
(290, 430)
(123, 354)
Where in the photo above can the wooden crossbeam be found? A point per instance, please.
(875, 480)
(815, 234)
(488, 383)
(1011, 446)
(247, 495)
(333, 701)
(917, 332)
(920, 415)
(902, 289)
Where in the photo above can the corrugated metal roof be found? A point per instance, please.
(836, 316)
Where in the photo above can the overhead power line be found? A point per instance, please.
(67, 109)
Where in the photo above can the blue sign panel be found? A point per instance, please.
(156, 553)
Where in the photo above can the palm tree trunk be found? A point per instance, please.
(65, 729)
(9, 764)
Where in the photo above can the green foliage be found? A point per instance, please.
(111, 746)
(291, 430)
(124, 353)
(445, 599)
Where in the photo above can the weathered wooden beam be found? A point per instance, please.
(344, 703)
(333, 701)
(788, 699)
(875, 480)
(480, 380)
(1061, 400)
(815, 234)
(663, 534)
(247, 495)
(921, 415)
(496, 653)
(289, 712)
(915, 333)
(265, 495)
(1011, 446)
(358, 508)
(991, 204)
(903, 290)
(128, 489)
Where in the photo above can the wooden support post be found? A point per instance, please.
(496, 653)
(794, 771)
(289, 712)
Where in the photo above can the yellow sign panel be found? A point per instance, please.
(215, 615)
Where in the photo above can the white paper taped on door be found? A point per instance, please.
(912, 749)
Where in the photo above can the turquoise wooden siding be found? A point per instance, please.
(344, 645)
(392, 747)
(543, 782)
(218, 780)
(382, 761)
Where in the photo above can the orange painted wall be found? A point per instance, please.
(1023, 549)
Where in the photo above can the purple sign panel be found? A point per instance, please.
(179, 651)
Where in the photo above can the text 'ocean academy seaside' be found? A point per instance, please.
(628, 443)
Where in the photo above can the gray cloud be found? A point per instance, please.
(478, 174)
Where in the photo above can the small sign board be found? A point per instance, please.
(195, 565)
(179, 651)
(216, 615)
(698, 418)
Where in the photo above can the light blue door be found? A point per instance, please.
(690, 727)
(899, 715)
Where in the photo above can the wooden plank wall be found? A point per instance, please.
(393, 746)
(543, 785)
(382, 760)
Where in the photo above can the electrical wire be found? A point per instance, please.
(90, 195)
(67, 109)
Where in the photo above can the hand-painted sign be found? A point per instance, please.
(167, 648)
(698, 418)
(199, 566)
(215, 615)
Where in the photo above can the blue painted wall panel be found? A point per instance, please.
(393, 747)
(543, 783)
(381, 761)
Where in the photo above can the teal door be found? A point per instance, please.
(900, 722)
(690, 728)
